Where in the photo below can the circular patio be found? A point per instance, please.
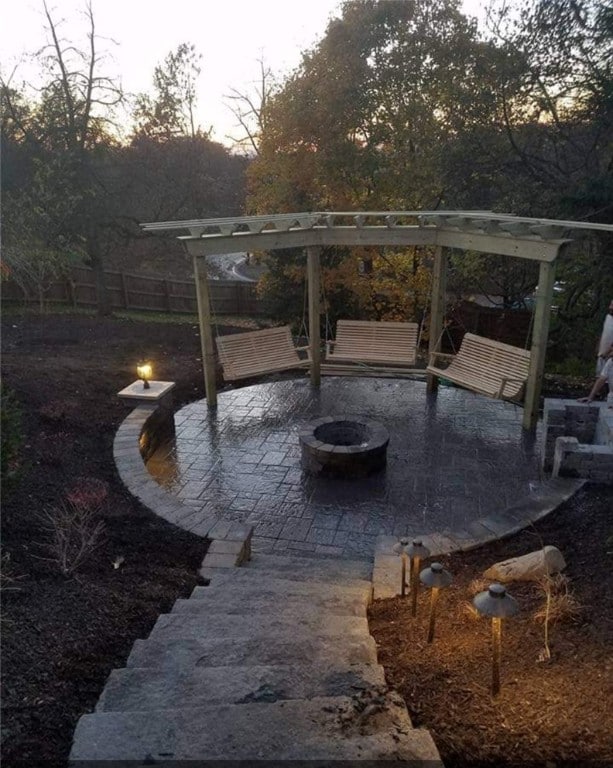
(453, 459)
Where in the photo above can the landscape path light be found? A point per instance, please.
(498, 604)
(401, 549)
(437, 578)
(144, 371)
(416, 552)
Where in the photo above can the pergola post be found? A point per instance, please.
(437, 309)
(206, 331)
(542, 312)
(313, 282)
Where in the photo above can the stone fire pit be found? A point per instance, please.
(343, 447)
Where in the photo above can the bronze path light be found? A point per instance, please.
(416, 552)
(401, 549)
(437, 578)
(498, 604)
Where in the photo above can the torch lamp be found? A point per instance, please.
(437, 578)
(401, 549)
(144, 372)
(416, 552)
(498, 604)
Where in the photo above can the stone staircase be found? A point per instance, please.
(271, 661)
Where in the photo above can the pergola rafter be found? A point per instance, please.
(537, 240)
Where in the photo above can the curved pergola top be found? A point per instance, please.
(536, 239)
(505, 234)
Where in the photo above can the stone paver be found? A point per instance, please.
(453, 459)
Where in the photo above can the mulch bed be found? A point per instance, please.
(61, 636)
(549, 712)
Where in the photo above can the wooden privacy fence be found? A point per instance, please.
(152, 294)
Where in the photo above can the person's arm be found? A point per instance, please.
(598, 385)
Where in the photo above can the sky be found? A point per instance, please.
(231, 35)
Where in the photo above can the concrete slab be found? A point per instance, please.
(298, 568)
(318, 729)
(299, 582)
(246, 584)
(178, 652)
(137, 690)
(287, 623)
(268, 604)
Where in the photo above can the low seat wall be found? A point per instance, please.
(578, 440)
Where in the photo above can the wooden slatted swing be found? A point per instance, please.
(374, 343)
(255, 353)
(485, 366)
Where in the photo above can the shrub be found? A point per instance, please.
(73, 532)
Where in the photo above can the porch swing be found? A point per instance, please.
(367, 345)
(485, 366)
(256, 353)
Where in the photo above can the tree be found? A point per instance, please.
(559, 128)
(67, 137)
(364, 123)
(171, 111)
(249, 109)
(559, 121)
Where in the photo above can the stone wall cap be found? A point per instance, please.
(156, 390)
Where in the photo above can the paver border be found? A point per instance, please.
(230, 543)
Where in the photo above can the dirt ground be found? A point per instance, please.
(61, 636)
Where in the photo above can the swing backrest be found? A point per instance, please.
(254, 353)
(383, 343)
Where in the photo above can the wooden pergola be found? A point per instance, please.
(538, 240)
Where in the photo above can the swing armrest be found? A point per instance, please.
(303, 349)
(505, 380)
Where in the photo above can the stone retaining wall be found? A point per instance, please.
(578, 440)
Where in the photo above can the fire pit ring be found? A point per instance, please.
(343, 447)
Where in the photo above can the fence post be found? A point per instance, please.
(124, 291)
(72, 298)
(167, 295)
(239, 296)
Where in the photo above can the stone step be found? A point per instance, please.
(243, 581)
(288, 622)
(336, 570)
(238, 603)
(139, 689)
(181, 653)
(336, 728)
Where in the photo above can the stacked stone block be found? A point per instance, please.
(578, 440)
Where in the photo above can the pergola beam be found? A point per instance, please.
(504, 244)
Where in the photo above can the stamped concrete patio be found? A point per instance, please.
(458, 465)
